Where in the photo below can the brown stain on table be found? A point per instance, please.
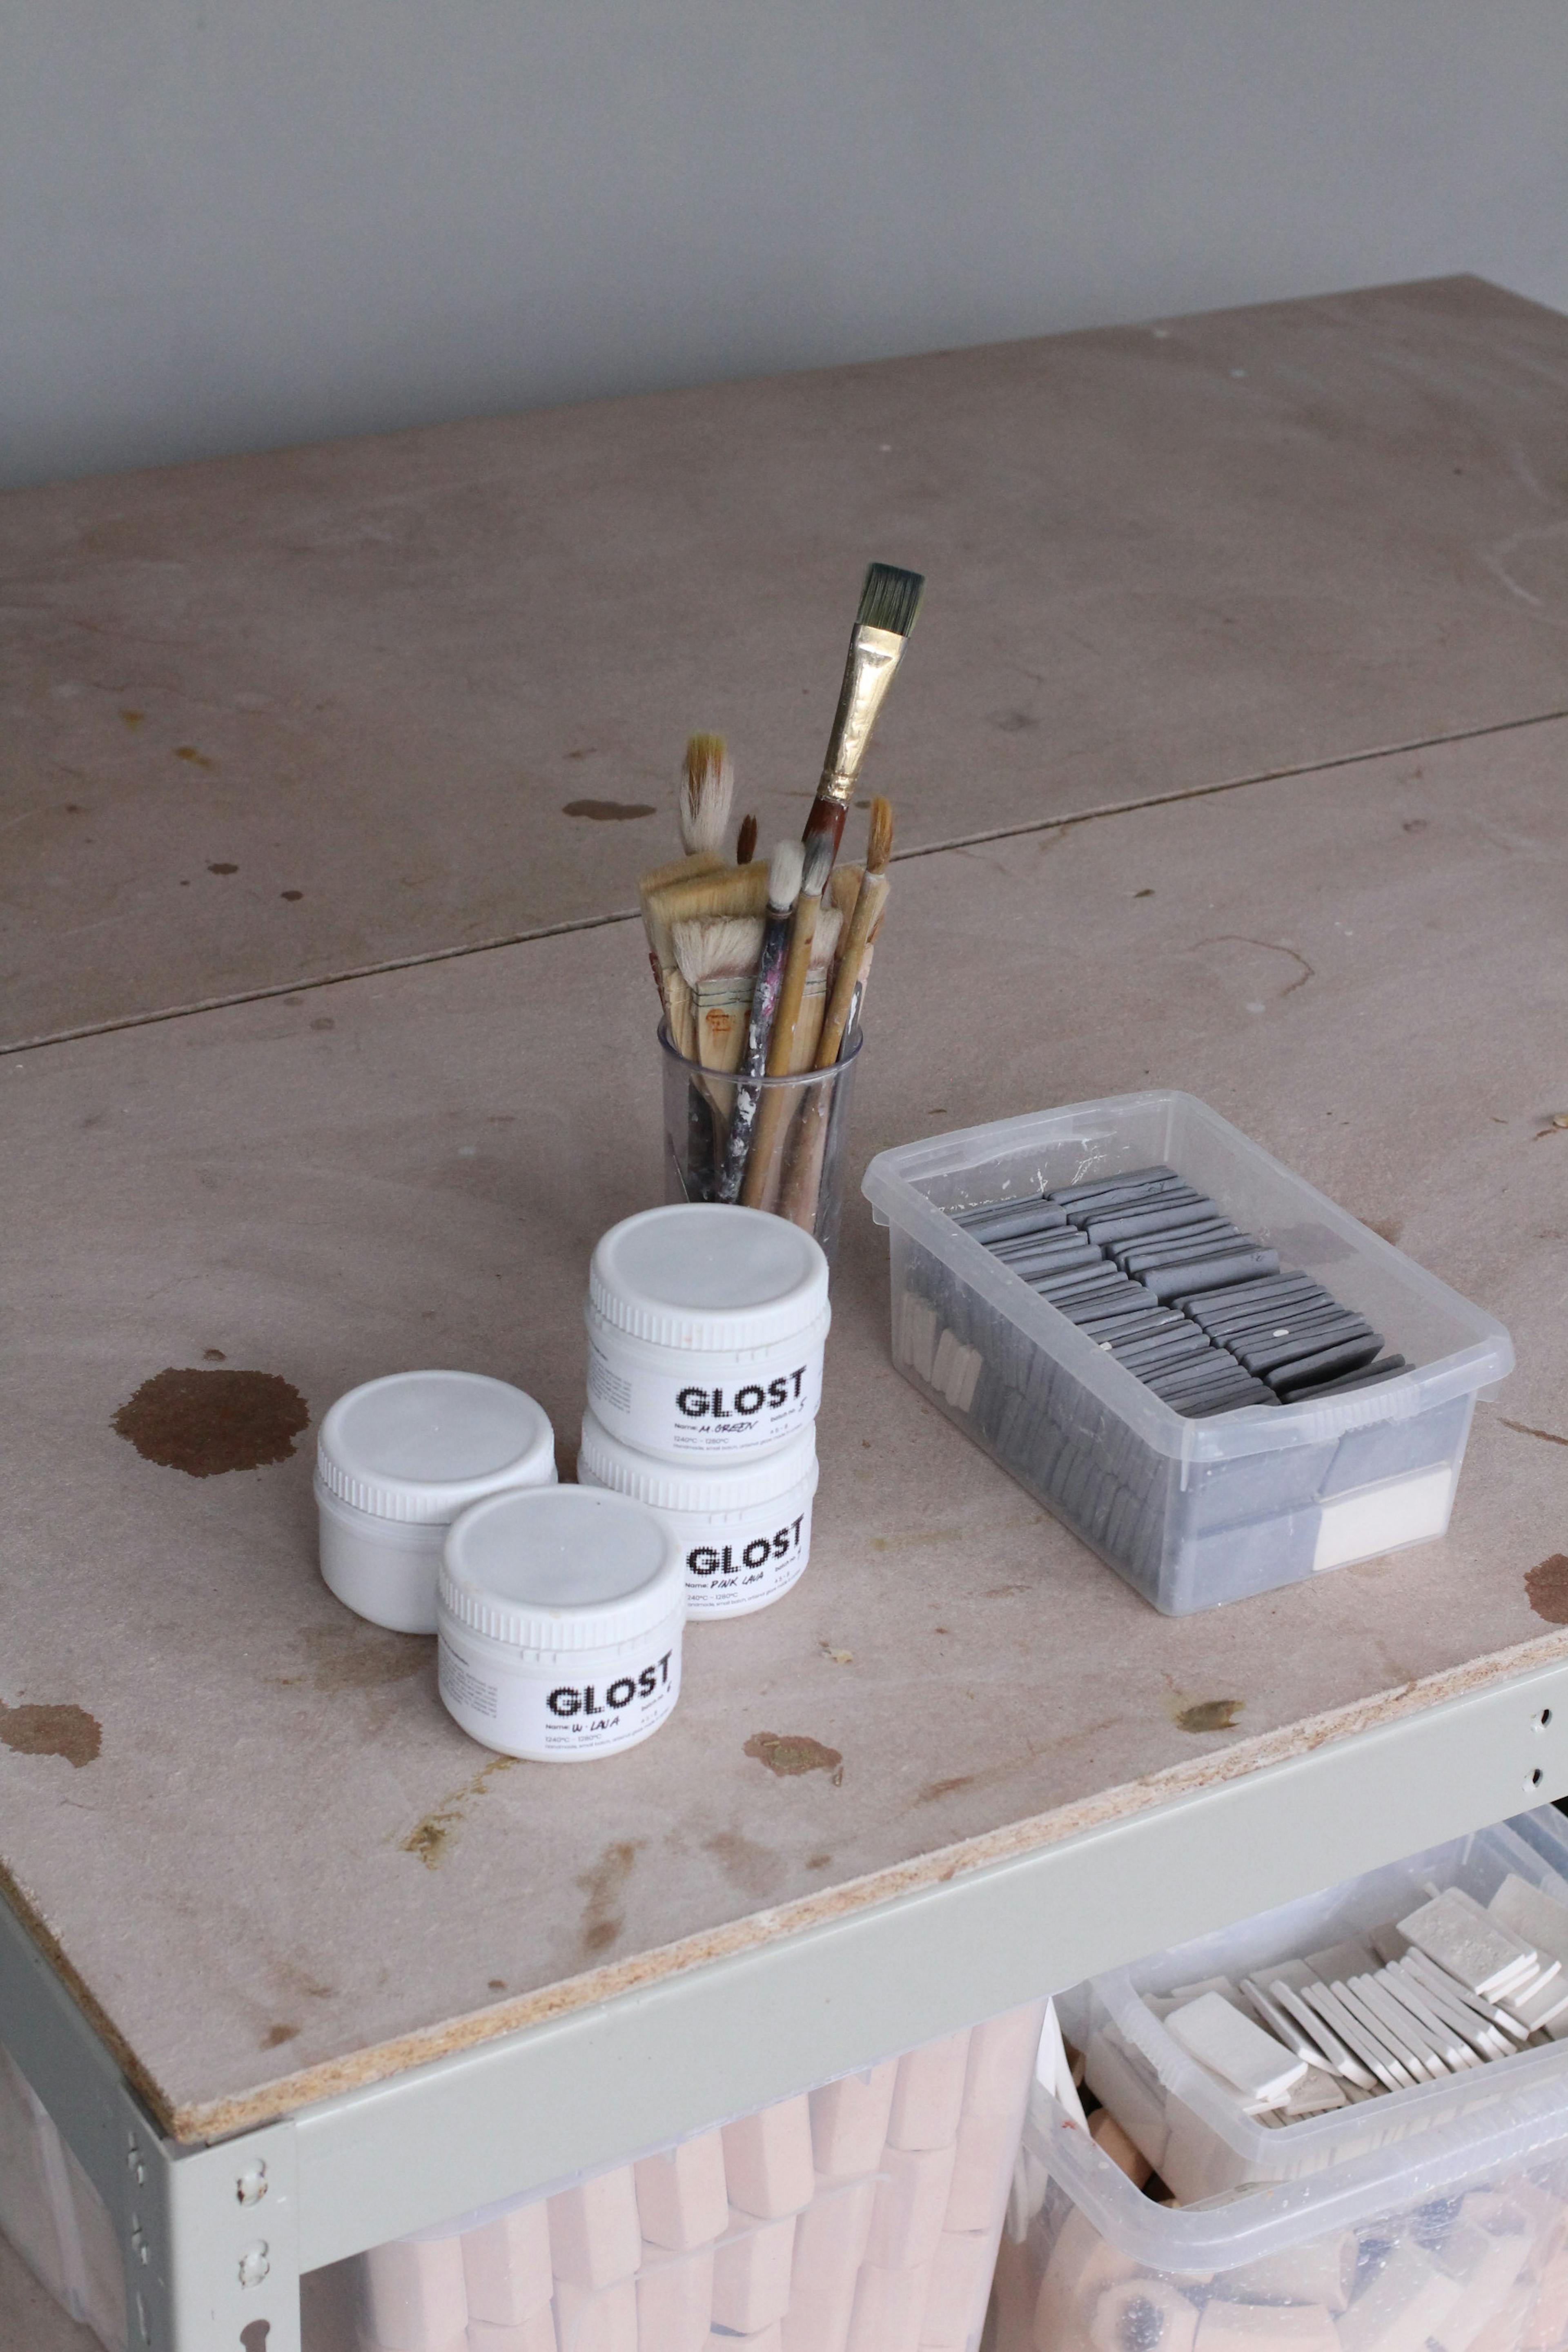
(430, 1836)
(1546, 1587)
(788, 1754)
(205, 1422)
(60, 1730)
(609, 812)
(1210, 1715)
(605, 1884)
(277, 2035)
(755, 1869)
(1523, 1429)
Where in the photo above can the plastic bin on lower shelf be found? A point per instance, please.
(1191, 2129)
(1192, 1512)
(54, 2217)
(1456, 2241)
(862, 2216)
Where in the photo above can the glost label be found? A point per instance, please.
(741, 1571)
(678, 1414)
(584, 1707)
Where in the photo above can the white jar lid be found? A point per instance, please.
(561, 1567)
(705, 1276)
(421, 1446)
(702, 1486)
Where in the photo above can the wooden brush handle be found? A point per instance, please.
(869, 907)
(776, 1101)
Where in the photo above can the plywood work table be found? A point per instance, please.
(262, 1886)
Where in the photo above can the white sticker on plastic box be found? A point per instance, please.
(1381, 1519)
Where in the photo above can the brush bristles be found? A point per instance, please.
(880, 836)
(817, 867)
(707, 789)
(784, 867)
(746, 841)
(890, 600)
(726, 944)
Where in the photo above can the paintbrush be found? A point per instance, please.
(775, 1106)
(746, 841)
(889, 603)
(808, 1145)
(702, 810)
(784, 870)
(870, 899)
(718, 960)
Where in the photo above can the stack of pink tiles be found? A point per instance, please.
(862, 2217)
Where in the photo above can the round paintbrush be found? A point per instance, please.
(808, 1146)
(785, 868)
(777, 1103)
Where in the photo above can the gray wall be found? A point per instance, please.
(232, 224)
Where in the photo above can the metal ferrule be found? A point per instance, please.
(868, 673)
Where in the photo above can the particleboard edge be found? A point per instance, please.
(220, 2118)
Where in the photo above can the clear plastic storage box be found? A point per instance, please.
(1455, 2240)
(1182, 2119)
(1192, 1512)
(862, 2216)
(1420, 2222)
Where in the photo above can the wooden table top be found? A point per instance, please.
(278, 717)
(237, 1816)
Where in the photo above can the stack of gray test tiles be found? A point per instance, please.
(1200, 1311)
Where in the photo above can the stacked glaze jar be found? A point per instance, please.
(706, 1326)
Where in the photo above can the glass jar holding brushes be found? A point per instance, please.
(761, 969)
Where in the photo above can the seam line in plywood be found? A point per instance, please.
(629, 914)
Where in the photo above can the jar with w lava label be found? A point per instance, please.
(743, 1527)
(706, 1325)
(560, 1611)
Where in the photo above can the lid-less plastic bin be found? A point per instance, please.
(1188, 2127)
(1191, 1512)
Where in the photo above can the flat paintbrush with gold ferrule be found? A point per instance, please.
(889, 603)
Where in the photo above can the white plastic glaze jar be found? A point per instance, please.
(743, 1527)
(559, 1614)
(396, 1461)
(706, 1325)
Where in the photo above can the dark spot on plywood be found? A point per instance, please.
(607, 812)
(134, 718)
(214, 1356)
(584, 751)
(1012, 722)
(1416, 824)
(497, 1984)
(206, 1423)
(1210, 1715)
(353, 1655)
(1389, 1227)
(223, 867)
(322, 1023)
(1143, 894)
(430, 1837)
(817, 1861)
(1555, 1125)
(1523, 1429)
(1547, 1586)
(59, 1730)
(754, 1868)
(292, 896)
(934, 1790)
(788, 1754)
(188, 751)
(604, 1886)
(277, 2035)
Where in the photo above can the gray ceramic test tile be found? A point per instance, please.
(293, 715)
(265, 1852)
